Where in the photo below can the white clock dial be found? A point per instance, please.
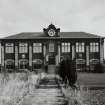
(51, 32)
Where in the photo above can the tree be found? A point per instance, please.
(67, 71)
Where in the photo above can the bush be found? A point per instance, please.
(67, 71)
(99, 68)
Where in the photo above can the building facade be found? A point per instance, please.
(32, 50)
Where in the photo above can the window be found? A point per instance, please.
(94, 47)
(9, 64)
(37, 63)
(9, 48)
(37, 48)
(23, 47)
(80, 47)
(23, 63)
(65, 47)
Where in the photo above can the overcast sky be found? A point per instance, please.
(70, 15)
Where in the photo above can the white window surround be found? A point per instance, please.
(94, 47)
(65, 47)
(37, 47)
(23, 47)
(9, 48)
(80, 47)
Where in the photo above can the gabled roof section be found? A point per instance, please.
(78, 35)
(35, 35)
(26, 35)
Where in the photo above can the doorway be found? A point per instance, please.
(51, 57)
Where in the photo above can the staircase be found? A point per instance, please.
(48, 93)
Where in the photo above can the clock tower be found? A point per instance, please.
(52, 31)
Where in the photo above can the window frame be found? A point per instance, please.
(94, 47)
(37, 47)
(23, 47)
(80, 47)
(65, 47)
(9, 48)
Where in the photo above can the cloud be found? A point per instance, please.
(70, 15)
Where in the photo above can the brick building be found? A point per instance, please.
(31, 50)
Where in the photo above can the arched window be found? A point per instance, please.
(23, 63)
(37, 63)
(9, 64)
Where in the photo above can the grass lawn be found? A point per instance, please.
(91, 79)
(95, 91)
(14, 86)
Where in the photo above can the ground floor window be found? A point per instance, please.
(23, 63)
(37, 63)
(80, 64)
(10, 64)
(80, 67)
(36, 66)
(80, 55)
(93, 63)
(94, 55)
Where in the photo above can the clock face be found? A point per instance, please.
(51, 32)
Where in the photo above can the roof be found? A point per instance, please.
(35, 35)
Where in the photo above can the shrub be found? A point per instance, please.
(67, 71)
(99, 68)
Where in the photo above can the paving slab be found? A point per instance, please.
(47, 93)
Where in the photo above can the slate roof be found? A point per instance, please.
(35, 35)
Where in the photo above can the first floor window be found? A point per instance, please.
(65, 47)
(80, 47)
(37, 47)
(94, 47)
(9, 48)
(23, 47)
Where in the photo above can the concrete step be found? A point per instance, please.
(48, 93)
(43, 102)
(47, 87)
(45, 82)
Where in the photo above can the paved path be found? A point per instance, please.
(47, 93)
